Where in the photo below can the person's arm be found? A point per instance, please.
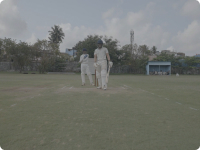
(81, 59)
(108, 56)
(95, 58)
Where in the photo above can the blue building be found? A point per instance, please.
(71, 52)
(158, 67)
(197, 55)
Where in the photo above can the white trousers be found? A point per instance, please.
(85, 70)
(101, 72)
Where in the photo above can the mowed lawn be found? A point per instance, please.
(137, 112)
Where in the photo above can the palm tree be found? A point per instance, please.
(56, 35)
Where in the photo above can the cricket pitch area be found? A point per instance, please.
(136, 112)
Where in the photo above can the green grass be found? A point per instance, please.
(53, 112)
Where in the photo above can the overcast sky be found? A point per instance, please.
(167, 24)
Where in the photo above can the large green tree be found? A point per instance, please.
(6, 45)
(90, 43)
(1, 50)
(56, 35)
(126, 55)
(192, 61)
(45, 55)
(135, 57)
(175, 61)
(144, 50)
(153, 50)
(19, 53)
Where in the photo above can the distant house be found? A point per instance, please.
(180, 54)
(158, 68)
(168, 52)
(197, 55)
(157, 53)
(152, 57)
(71, 52)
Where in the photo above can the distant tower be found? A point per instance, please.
(132, 40)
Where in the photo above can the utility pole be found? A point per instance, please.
(132, 40)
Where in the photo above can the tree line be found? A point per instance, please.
(135, 56)
(42, 55)
(45, 55)
(179, 64)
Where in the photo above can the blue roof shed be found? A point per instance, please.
(158, 66)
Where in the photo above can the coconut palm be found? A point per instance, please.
(56, 35)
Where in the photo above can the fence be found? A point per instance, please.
(5, 66)
(194, 71)
(117, 69)
(125, 69)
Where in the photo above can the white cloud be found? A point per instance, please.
(188, 40)
(32, 39)
(171, 48)
(11, 24)
(145, 31)
(73, 35)
(119, 28)
(191, 9)
(108, 13)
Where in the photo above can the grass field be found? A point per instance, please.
(53, 112)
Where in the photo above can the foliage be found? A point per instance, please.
(1, 50)
(175, 61)
(192, 61)
(90, 43)
(126, 54)
(143, 50)
(45, 55)
(18, 52)
(180, 64)
(137, 57)
(42, 55)
(153, 50)
(112, 46)
(5, 46)
(56, 35)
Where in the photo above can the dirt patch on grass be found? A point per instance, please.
(110, 90)
(22, 89)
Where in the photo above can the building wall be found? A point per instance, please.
(197, 55)
(168, 52)
(71, 52)
(181, 54)
(158, 66)
(152, 57)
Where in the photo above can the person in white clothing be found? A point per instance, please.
(85, 67)
(100, 63)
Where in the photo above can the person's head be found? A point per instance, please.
(84, 51)
(99, 43)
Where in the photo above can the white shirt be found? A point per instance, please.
(101, 53)
(84, 60)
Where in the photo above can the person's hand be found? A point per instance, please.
(95, 65)
(110, 64)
